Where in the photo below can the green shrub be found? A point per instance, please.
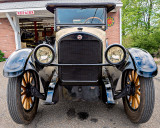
(150, 42)
(2, 56)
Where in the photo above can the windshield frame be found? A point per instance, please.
(80, 25)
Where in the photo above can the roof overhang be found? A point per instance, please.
(40, 6)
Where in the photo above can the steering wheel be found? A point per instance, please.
(93, 18)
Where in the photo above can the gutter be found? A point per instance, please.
(22, 9)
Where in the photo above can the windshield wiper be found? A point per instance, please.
(94, 15)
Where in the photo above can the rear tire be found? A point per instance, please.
(144, 110)
(14, 101)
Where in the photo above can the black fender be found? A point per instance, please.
(22, 60)
(143, 62)
(16, 63)
(139, 60)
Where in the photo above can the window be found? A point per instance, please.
(81, 16)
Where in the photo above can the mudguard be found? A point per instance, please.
(16, 63)
(144, 62)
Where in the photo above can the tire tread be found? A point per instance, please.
(149, 99)
(11, 100)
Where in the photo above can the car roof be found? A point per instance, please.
(109, 5)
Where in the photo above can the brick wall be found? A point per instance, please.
(113, 32)
(7, 38)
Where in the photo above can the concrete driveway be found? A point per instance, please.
(56, 116)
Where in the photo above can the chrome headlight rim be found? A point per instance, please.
(44, 45)
(115, 45)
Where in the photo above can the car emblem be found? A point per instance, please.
(79, 37)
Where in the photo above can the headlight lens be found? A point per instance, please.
(115, 54)
(44, 54)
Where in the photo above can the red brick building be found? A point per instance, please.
(12, 24)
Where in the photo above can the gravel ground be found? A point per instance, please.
(57, 115)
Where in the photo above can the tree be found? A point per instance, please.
(141, 21)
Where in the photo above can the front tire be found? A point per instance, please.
(21, 105)
(140, 104)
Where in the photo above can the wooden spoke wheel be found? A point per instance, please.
(26, 97)
(22, 105)
(134, 98)
(139, 104)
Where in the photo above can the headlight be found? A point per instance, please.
(44, 54)
(115, 54)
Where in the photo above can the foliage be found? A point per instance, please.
(1, 56)
(141, 19)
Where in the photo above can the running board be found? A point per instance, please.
(109, 93)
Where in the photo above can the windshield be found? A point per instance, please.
(81, 16)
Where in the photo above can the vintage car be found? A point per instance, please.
(80, 66)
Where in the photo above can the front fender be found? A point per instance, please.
(16, 63)
(144, 62)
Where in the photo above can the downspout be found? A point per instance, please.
(120, 26)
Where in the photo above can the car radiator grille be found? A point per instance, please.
(79, 52)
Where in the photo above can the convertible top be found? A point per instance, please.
(109, 5)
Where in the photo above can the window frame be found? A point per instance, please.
(80, 25)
